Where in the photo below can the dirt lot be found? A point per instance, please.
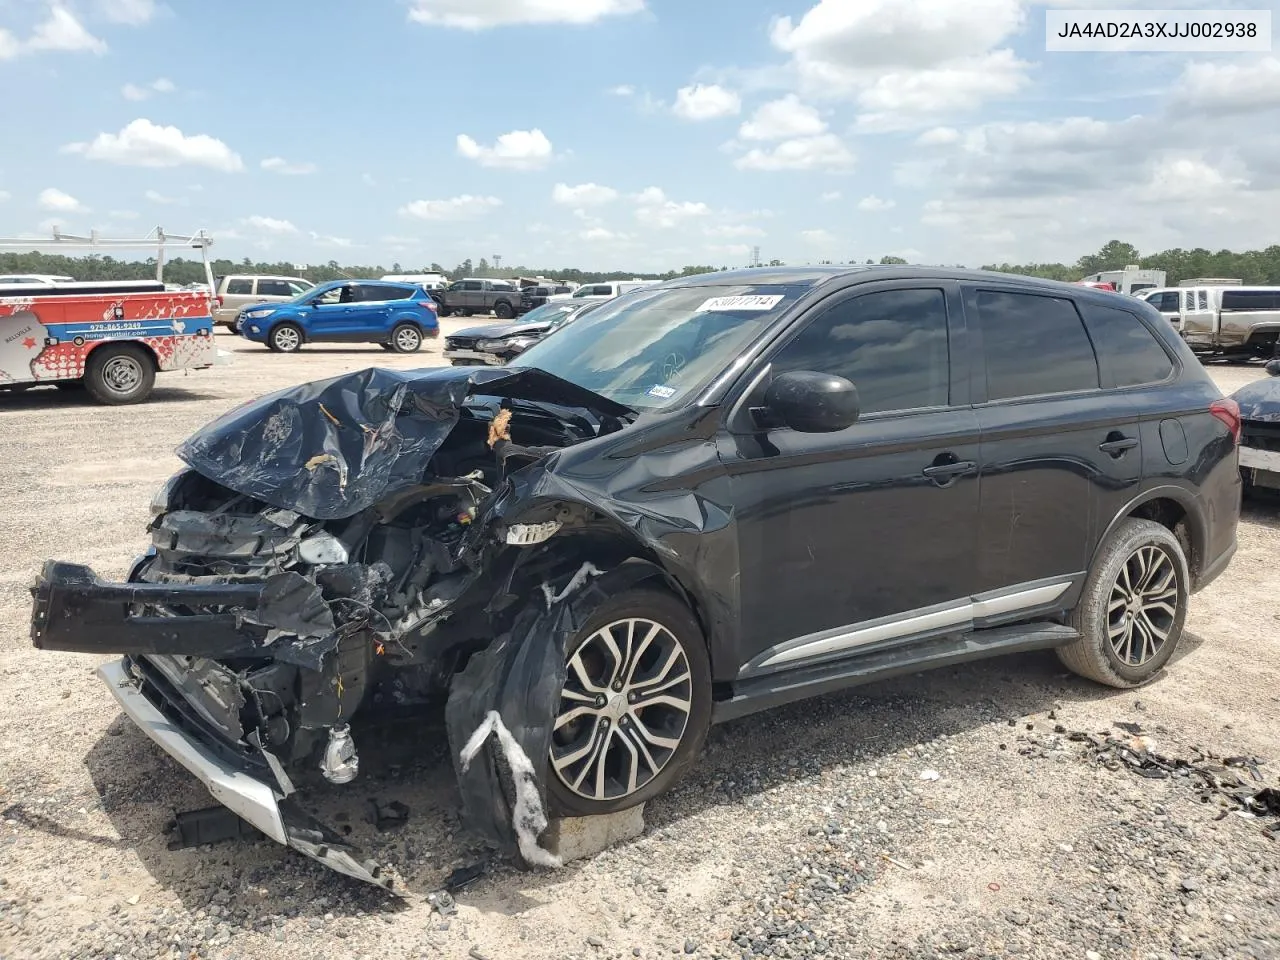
(805, 831)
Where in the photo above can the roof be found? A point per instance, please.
(865, 273)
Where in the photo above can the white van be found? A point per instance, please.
(427, 281)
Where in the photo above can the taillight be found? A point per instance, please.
(1228, 411)
(429, 305)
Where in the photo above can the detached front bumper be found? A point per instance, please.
(460, 354)
(253, 800)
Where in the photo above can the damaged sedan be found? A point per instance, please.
(711, 497)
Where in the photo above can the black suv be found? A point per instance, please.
(710, 497)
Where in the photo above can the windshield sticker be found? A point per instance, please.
(751, 302)
(661, 392)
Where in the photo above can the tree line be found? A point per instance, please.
(1253, 267)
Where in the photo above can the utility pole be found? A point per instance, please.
(497, 262)
(755, 256)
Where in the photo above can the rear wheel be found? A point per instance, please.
(635, 706)
(1133, 609)
(503, 310)
(285, 338)
(406, 338)
(119, 373)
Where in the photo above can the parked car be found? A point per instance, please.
(234, 292)
(533, 297)
(396, 315)
(607, 291)
(469, 297)
(701, 500)
(1232, 322)
(1167, 301)
(1259, 404)
(42, 279)
(495, 344)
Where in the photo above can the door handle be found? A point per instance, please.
(943, 473)
(1117, 445)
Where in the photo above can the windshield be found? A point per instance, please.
(655, 347)
(550, 313)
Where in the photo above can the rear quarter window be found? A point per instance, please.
(1033, 345)
(1129, 353)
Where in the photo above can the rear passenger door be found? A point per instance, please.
(1057, 450)
(371, 311)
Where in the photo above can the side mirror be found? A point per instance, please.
(1273, 367)
(811, 402)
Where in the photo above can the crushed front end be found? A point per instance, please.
(329, 551)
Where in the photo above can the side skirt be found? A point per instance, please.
(775, 689)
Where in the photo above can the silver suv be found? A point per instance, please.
(237, 291)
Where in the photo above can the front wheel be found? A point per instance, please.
(285, 338)
(635, 706)
(119, 374)
(1133, 609)
(406, 338)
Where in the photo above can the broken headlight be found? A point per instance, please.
(160, 503)
(322, 548)
(512, 343)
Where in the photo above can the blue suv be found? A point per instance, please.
(395, 315)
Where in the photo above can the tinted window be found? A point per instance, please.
(1251, 300)
(471, 285)
(1129, 350)
(1166, 302)
(274, 288)
(891, 345)
(564, 290)
(240, 288)
(377, 293)
(1034, 345)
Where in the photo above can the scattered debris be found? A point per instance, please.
(443, 903)
(930, 775)
(465, 876)
(210, 825)
(389, 816)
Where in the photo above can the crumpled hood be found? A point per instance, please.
(332, 448)
(1259, 400)
(496, 331)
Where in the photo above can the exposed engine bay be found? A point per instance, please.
(337, 548)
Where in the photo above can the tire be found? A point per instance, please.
(406, 338)
(503, 310)
(1136, 546)
(587, 657)
(285, 338)
(117, 374)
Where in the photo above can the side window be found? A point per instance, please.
(1128, 349)
(1034, 346)
(333, 295)
(471, 285)
(242, 287)
(892, 345)
(273, 288)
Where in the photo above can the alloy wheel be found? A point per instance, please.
(623, 710)
(286, 339)
(407, 339)
(122, 374)
(1143, 606)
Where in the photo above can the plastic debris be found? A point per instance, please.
(930, 775)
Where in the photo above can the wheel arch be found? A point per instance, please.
(1174, 508)
(277, 322)
(141, 345)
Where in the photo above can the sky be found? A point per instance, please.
(628, 134)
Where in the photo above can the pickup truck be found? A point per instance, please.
(1232, 322)
(469, 296)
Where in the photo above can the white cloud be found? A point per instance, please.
(818, 237)
(325, 241)
(622, 90)
(133, 12)
(654, 209)
(1230, 87)
(783, 119)
(823, 152)
(131, 91)
(53, 199)
(144, 144)
(874, 203)
(938, 137)
(517, 150)
(483, 14)
(155, 196)
(730, 230)
(283, 166)
(270, 225)
(60, 31)
(832, 195)
(464, 207)
(602, 233)
(706, 102)
(905, 60)
(583, 193)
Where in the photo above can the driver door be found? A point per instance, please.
(866, 536)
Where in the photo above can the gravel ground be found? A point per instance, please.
(803, 832)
